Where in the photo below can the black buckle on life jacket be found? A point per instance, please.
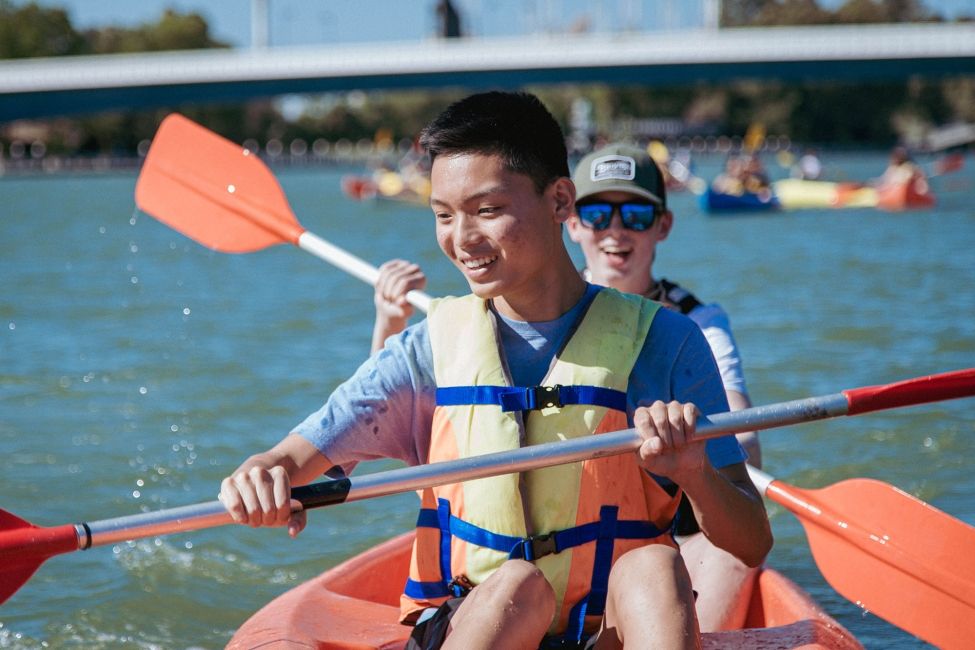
(460, 586)
(540, 546)
(543, 397)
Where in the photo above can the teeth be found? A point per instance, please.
(478, 262)
(615, 250)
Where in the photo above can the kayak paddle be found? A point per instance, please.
(223, 196)
(890, 553)
(24, 546)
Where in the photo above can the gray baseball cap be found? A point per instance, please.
(622, 168)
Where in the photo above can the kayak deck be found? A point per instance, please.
(355, 606)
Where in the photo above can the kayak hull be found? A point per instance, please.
(718, 203)
(914, 195)
(355, 606)
(387, 185)
(798, 194)
(795, 194)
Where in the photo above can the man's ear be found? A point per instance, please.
(666, 223)
(564, 195)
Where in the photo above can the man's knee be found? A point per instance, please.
(522, 580)
(648, 564)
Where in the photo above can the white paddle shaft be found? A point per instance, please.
(353, 265)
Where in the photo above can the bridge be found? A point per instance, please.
(31, 88)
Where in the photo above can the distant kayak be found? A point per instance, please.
(797, 194)
(389, 185)
(913, 195)
(717, 202)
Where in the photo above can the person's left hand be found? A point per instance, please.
(669, 448)
(396, 279)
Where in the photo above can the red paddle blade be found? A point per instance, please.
(213, 191)
(24, 547)
(892, 554)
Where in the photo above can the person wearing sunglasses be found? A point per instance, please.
(620, 218)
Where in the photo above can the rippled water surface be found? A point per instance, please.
(138, 368)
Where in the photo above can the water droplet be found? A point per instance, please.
(143, 390)
(186, 311)
(136, 494)
(231, 188)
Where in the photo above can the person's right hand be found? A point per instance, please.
(257, 495)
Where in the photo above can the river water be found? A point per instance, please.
(138, 368)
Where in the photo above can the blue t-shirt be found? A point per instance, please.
(385, 410)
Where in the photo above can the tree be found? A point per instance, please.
(793, 12)
(174, 31)
(35, 31)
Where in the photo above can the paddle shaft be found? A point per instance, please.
(353, 265)
(854, 401)
(332, 492)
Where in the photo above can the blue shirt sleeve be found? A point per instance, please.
(676, 364)
(379, 410)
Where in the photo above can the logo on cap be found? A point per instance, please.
(615, 167)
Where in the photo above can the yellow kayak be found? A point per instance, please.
(797, 194)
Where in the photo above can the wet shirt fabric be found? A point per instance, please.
(385, 409)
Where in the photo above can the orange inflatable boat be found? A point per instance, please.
(355, 606)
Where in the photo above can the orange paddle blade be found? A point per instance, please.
(892, 554)
(24, 547)
(213, 191)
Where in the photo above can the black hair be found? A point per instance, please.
(515, 126)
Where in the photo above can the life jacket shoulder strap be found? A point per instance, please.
(684, 300)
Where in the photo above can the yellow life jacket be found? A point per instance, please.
(573, 521)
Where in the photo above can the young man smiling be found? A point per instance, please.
(575, 554)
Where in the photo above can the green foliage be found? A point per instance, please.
(740, 13)
(174, 31)
(32, 30)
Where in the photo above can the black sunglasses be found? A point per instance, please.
(634, 216)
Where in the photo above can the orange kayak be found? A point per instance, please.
(355, 606)
(913, 194)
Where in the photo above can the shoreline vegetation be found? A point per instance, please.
(821, 115)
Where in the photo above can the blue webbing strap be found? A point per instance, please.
(443, 518)
(520, 398)
(603, 560)
(594, 603)
(604, 532)
(439, 518)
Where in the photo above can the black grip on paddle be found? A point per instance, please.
(322, 493)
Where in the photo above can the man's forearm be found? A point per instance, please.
(731, 512)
